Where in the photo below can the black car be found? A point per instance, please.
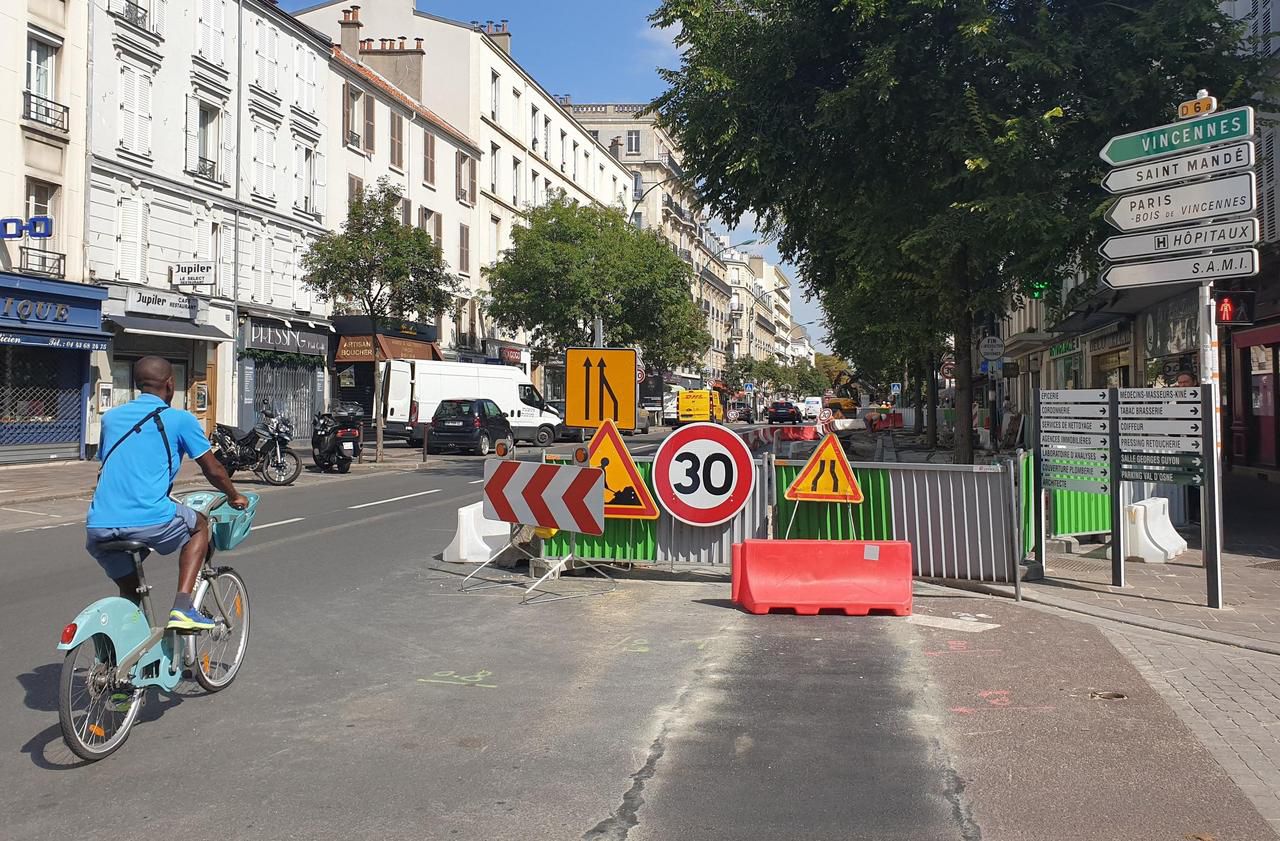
(741, 412)
(783, 412)
(468, 424)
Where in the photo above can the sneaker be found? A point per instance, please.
(189, 620)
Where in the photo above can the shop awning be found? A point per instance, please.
(1108, 306)
(360, 349)
(168, 328)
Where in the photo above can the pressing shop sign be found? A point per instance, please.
(267, 336)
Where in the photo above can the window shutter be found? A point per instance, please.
(127, 240)
(226, 286)
(346, 112)
(227, 162)
(204, 234)
(369, 111)
(193, 133)
(471, 180)
(464, 248)
(301, 189)
(301, 292)
(318, 205)
(157, 16)
(459, 168)
(273, 59)
(258, 153)
(220, 30)
(299, 76)
(206, 13)
(269, 136)
(144, 113)
(429, 152)
(144, 239)
(259, 51)
(438, 233)
(313, 74)
(128, 107)
(261, 269)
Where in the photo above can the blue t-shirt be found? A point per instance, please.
(133, 490)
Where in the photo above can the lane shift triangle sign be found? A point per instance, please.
(826, 476)
(626, 496)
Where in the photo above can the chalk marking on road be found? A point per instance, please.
(36, 513)
(455, 679)
(45, 528)
(277, 523)
(972, 710)
(949, 624)
(393, 499)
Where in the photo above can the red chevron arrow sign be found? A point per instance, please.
(547, 495)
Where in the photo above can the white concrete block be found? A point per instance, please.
(1149, 535)
(477, 537)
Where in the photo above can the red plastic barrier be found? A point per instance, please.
(807, 576)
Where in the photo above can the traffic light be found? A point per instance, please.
(1234, 307)
(1037, 288)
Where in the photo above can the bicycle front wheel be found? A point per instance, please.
(220, 652)
(95, 713)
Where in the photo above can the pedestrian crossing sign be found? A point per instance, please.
(826, 476)
(626, 496)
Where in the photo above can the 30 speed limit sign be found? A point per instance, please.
(703, 474)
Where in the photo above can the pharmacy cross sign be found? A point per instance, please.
(1220, 127)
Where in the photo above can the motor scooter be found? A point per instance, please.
(338, 437)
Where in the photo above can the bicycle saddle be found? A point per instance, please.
(124, 546)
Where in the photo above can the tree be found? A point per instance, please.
(571, 263)
(830, 366)
(949, 146)
(806, 380)
(381, 268)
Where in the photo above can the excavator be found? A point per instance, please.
(844, 403)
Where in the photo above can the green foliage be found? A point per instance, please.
(571, 263)
(377, 266)
(830, 367)
(770, 376)
(281, 357)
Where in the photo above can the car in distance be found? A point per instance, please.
(783, 411)
(475, 424)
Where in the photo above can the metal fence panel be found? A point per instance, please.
(290, 391)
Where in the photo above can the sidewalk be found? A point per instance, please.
(1171, 597)
(34, 483)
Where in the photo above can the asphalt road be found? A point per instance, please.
(377, 701)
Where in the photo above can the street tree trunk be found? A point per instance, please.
(964, 387)
(931, 409)
(378, 409)
(919, 371)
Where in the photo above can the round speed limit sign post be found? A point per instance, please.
(703, 474)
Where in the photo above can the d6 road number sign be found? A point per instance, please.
(703, 474)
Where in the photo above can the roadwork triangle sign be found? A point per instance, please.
(626, 496)
(826, 476)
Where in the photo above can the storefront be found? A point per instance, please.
(48, 330)
(1110, 356)
(1255, 435)
(184, 329)
(1171, 340)
(1065, 365)
(282, 363)
(358, 345)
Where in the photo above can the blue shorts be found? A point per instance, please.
(165, 538)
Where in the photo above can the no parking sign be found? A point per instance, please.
(703, 474)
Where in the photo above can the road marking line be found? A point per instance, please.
(37, 513)
(44, 528)
(476, 482)
(393, 499)
(950, 624)
(280, 523)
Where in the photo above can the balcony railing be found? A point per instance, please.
(134, 14)
(353, 138)
(686, 255)
(737, 306)
(207, 168)
(672, 164)
(38, 109)
(42, 262)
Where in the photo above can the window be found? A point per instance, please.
(515, 104)
(352, 105)
(595, 135)
(464, 249)
(308, 179)
(515, 181)
(495, 236)
(370, 106)
(564, 159)
(211, 38)
(406, 212)
(533, 188)
(206, 141)
(637, 219)
(465, 178)
(495, 96)
(135, 110)
(432, 223)
(533, 128)
(266, 56)
(428, 157)
(397, 141)
(575, 160)
(355, 188)
(41, 201)
(493, 168)
(633, 141)
(40, 61)
(637, 185)
(546, 138)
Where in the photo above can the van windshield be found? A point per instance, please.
(453, 409)
(530, 396)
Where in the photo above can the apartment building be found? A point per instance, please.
(658, 200)
(777, 287)
(530, 147)
(753, 331)
(206, 183)
(50, 322)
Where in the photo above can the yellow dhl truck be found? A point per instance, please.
(699, 404)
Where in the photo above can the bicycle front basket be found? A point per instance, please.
(230, 526)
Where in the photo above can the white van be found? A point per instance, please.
(414, 387)
(812, 406)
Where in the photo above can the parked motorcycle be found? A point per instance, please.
(337, 439)
(263, 449)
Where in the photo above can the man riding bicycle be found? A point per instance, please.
(141, 449)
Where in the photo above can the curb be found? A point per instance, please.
(1160, 625)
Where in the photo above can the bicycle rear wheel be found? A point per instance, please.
(220, 652)
(95, 714)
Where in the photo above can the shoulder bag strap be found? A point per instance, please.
(137, 427)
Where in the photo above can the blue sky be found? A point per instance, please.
(594, 50)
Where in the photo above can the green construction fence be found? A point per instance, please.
(623, 540)
(870, 520)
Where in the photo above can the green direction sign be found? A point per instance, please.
(1232, 124)
(1139, 474)
(1163, 461)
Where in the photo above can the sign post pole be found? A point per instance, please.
(1211, 495)
(1117, 493)
(1035, 571)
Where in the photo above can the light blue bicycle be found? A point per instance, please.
(116, 650)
